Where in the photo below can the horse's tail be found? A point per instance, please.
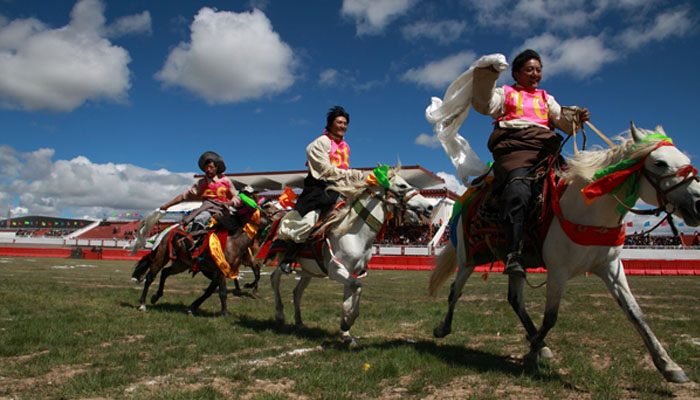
(445, 264)
(141, 267)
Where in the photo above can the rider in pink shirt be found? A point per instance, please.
(523, 136)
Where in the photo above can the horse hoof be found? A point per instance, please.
(546, 353)
(142, 307)
(225, 314)
(677, 376)
(190, 312)
(279, 321)
(300, 325)
(348, 339)
(440, 331)
(154, 298)
(530, 359)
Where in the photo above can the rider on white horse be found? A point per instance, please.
(522, 137)
(329, 164)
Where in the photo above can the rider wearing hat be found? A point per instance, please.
(215, 190)
(328, 163)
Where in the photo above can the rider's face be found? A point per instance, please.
(529, 75)
(210, 169)
(338, 127)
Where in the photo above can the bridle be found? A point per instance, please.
(687, 172)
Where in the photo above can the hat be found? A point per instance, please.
(211, 156)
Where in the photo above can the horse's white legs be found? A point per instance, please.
(298, 293)
(351, 300)
(351, 304)
(463, 273)
(614, 277)
(445, 327)
(279, 307)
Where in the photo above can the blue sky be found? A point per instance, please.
(106, 105)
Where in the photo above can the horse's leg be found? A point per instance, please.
(208, 292)
(237, 287)
(161, 285)
(351, 301)
(614, 277)
(279, 307)
(463, 273)
(516, 298)
(304, 281)
(223, 293)
(150, 276)
(351, 310)
(176, 267)
(556, 284)
(256, 274)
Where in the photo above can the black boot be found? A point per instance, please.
(514, 266)
(514, 248)
(290, 256)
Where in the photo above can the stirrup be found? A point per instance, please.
(290, 257)
(513, 266)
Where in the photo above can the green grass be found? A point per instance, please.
(76, 333)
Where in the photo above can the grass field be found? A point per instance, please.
(70, 329)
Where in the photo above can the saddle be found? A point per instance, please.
(184, 244)
(313, 246)
(482, 228)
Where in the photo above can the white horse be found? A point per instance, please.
(348, 247)
(667, 181)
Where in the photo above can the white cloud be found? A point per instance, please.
(130, 25)
(328, 77)
(452, 183)
(372, 16)
(438, 74)
(230, 57)
(579, 57)
(443, 32)
(60, 69)
(672, 23)
(42, 186)
(427, 140)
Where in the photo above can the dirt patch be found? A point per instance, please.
(126, 339)
(23, 357)
(476, 386)
(55, 378)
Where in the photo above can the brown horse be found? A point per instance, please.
(238, 249)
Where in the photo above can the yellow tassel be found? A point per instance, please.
(220, 259)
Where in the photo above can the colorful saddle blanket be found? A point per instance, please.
(483, 231)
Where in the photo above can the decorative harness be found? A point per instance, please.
(378, 176)
(608, 181)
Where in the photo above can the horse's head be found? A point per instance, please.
(670, 181)
(408, 198)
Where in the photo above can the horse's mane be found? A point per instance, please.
(351, 191)
(585, 164)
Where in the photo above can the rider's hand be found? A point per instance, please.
(583, 115)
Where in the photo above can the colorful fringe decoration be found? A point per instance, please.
(621, 176)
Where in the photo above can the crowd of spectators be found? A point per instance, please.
(43, 232)
(409, 235)
(652, 241)
(423, 234)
